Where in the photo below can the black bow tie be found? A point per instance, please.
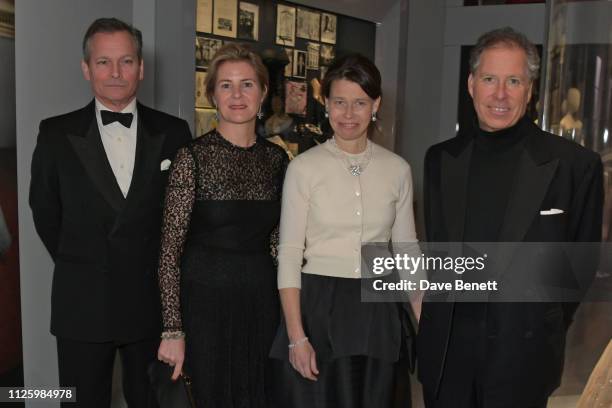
(109, 117)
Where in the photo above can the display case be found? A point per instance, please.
(577, 105)
(577, 86)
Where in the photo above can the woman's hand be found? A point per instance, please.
(303, 359)
(172, 352)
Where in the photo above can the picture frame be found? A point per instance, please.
(206, 48)
(329, 26)
(248, 21)
(312, 55)
(285, 25)
(224, 21)
(204, 13)
(308, 24)
(299, 64)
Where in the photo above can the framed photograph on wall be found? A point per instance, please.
(285, 25)
(205, 121)
(224, 22)
(308, 24)
(328, 53)
(295, 97)
(206, 48)
(248, 21)
(329, 23)
(312, 58)
(299, 64)
(289, 66)
(204, 12)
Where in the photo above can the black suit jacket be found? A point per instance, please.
(105, 247)
(525, 341)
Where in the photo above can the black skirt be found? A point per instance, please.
(359, 347)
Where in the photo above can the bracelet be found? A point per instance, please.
(172, 335)
(297, 343)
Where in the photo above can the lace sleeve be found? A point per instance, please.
(180, 196)
(274, 235)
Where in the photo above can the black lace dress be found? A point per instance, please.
(217, 278)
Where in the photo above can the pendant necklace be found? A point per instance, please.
(355, 167)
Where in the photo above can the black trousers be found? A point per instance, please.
(462, 384)
(89, 368)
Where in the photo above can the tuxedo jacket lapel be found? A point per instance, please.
(90, 150)
(534, 173)
(530, 185)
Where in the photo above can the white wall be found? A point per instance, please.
(420, 113)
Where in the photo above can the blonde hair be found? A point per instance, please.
(233, 53)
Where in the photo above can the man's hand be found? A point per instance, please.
(172, 352)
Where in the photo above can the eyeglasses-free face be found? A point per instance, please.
(500, 88)
(113, 69)
(350, 110)
(238, 93)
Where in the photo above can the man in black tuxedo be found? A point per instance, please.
(503, 180)
(98, 180)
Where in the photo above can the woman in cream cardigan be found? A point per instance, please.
(332, 350)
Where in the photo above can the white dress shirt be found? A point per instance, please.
(120, 145)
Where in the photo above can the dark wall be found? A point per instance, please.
(352, 35)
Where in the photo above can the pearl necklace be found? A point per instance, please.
(355, 168)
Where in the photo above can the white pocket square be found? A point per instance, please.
(165, 165)
(552, 211)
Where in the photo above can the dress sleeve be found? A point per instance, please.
(294, 214)
(274, 235)
(180, 196)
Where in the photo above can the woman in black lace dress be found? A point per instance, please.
(216, 273)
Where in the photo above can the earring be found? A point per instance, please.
(216, 111)
(326, 113)
(260, 113)
(373, 116)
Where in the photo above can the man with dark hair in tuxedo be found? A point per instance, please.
(97, 188)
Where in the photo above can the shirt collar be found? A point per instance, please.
(130, 108)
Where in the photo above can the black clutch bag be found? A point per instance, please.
(170, 394)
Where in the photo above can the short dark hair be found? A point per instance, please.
(111, 25)
(509, 37)
(355, 68)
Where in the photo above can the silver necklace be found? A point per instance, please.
(355, 167)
